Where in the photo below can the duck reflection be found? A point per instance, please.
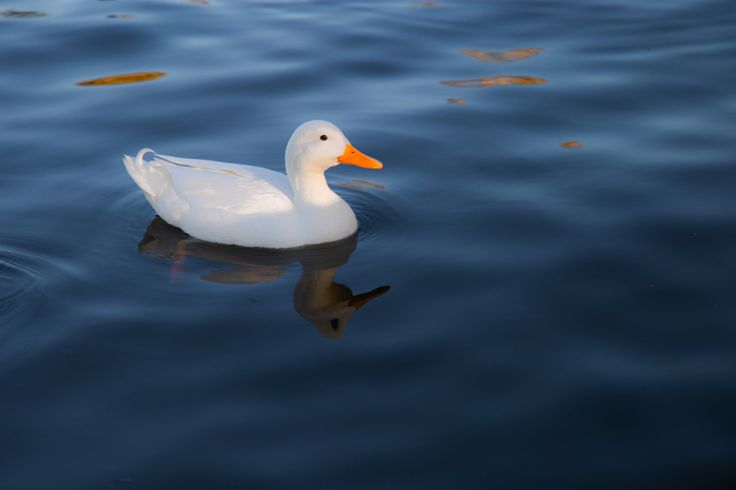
(317, 298)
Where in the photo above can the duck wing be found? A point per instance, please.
(177, 187)
(241, 189)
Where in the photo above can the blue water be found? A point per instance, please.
(533, 316)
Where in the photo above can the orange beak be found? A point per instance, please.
(351, 156)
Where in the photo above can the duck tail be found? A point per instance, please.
(140, 170)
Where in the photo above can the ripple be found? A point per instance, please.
(22, 269)
(375, 215)
(22, 14)
(132, 213)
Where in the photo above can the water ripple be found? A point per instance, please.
(22, 270)
(375, 215)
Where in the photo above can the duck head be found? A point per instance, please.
(329, 305)
(317, 146)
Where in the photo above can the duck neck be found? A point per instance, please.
(310, 186)
(315, 287)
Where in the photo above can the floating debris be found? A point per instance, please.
(456, 101)
(22, 14)
(571, 145)
(497, 81)
(126, 78)
(361, 184)
(120, 16)
(368, 183)
(427, 5)
(501, 56)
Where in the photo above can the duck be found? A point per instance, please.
(249, 206)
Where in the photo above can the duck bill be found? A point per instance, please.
(358, 301)
(351, 156)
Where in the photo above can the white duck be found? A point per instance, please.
(251, 206)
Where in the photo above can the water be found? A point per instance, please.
(532, 315)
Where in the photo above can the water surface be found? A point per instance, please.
(517, 311)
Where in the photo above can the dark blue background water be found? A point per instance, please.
(557, 318)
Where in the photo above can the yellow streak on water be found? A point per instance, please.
(123, 79)
(502, 56)
(497, 81)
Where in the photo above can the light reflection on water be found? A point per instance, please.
(495, 81)
(124, 79)
(502, 56)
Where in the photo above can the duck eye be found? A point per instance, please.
(323, 137)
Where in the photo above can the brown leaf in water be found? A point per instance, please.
(497, 81)
(502, 56)
(125, 78)
(571, 145)
(22, 14)
(456, 101)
